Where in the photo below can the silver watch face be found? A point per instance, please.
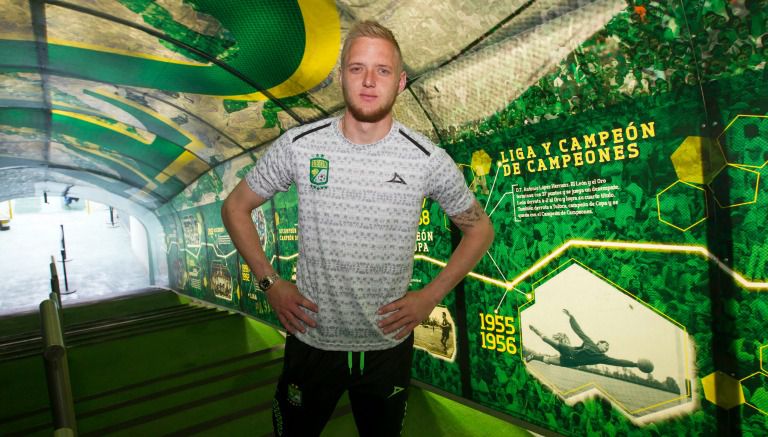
(265, 283)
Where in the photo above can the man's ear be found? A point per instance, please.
(403, 81)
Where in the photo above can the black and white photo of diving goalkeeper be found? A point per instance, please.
(586, 354)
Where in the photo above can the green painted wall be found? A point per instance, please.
(626, 186)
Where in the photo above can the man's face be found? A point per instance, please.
(371, 79)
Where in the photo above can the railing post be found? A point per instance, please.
(55, 287)
(64, 262)
(57, 369)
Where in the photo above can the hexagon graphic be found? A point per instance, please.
(735, 186)
(722, 390)
(756, 392)
(698, 160)
(583, 336)
(682, 205)
(745, 140)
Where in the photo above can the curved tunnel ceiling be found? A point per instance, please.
(137, 99)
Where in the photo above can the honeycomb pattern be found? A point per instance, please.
(735, 186)
(745, 140)
(756, 389)
(698, 160)
(682, 205)
(722, 390)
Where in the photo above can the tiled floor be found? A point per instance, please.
(102, 262)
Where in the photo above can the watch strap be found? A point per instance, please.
(268, 281)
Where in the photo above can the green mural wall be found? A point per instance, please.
(627, 190)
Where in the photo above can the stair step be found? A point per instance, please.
(111, 329)
(146, 404)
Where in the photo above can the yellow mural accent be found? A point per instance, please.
(194, 143)
(323, 41)
(722, 390)
(618, 245)
(185, 158)
(698, 160)
(176, 166)
(115, 127)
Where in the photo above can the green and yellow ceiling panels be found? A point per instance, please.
(143, 98)
(106, 41)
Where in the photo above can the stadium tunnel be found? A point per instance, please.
(618, 145)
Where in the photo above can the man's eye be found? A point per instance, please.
(355, 69)
(383, 71)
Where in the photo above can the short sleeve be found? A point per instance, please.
(274, 171)
(446, 185)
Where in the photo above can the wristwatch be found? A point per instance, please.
(268, 281)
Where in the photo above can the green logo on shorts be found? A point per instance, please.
(294, 395)
(318, 172)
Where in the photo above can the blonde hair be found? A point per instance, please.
(370, 29)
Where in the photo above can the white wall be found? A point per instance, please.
(139, 243)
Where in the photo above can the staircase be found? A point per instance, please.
(158, 365)
(177, 369)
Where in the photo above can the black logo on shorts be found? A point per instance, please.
(397, 179)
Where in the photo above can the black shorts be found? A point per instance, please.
(313, 380)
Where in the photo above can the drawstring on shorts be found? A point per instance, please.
(350, 361)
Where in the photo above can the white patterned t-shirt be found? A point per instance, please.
(359, 208)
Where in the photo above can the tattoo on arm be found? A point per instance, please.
(469, 217)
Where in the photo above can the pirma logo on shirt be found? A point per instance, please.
(318, 172)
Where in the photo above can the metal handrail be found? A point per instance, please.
(57, 369)
(55, 294)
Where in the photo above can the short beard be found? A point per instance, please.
(372, 117)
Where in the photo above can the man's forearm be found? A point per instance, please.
(474, 243)
(246, 239)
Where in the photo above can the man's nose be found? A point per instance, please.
(369, 80)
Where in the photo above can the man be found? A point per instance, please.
(587, 353)
(445, 325)
(361, 179)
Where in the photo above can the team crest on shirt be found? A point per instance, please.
(318, 172)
